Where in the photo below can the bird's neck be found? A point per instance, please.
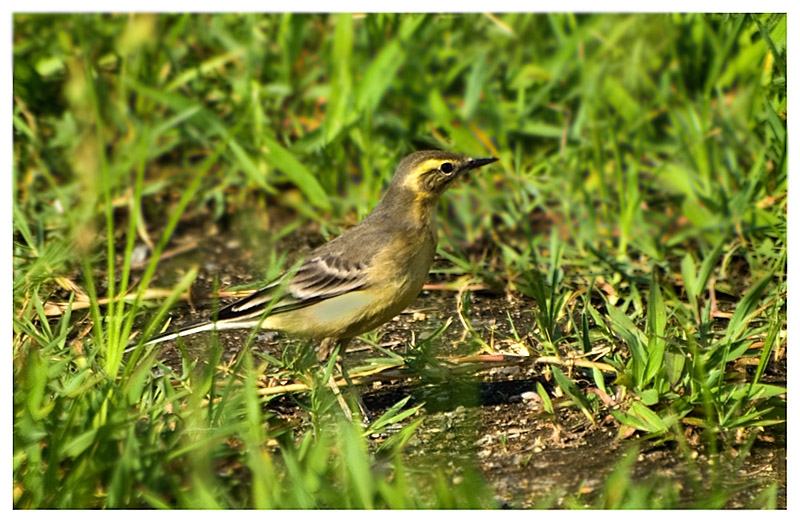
(421, 215)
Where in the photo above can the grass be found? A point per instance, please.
(639, 203)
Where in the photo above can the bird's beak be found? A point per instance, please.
(474, 163)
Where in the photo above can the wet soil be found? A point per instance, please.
(492, 419)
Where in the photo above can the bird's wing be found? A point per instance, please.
(318, 278)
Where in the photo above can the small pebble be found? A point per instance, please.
(530, 396)
(139, 253)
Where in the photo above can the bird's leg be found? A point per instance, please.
(338, 393)
(366, 417)
(323, 352)
(326, 347)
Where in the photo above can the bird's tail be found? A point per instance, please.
(176, 333)
(194, 328)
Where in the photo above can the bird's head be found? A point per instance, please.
(420, 179)
(427, 174)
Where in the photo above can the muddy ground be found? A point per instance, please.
(490, 419)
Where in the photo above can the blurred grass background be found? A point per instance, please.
(639, 201)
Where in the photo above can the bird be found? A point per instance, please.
(361, 279)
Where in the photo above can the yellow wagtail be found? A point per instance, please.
(363, 278)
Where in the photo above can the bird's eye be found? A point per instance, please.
(447, 167)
